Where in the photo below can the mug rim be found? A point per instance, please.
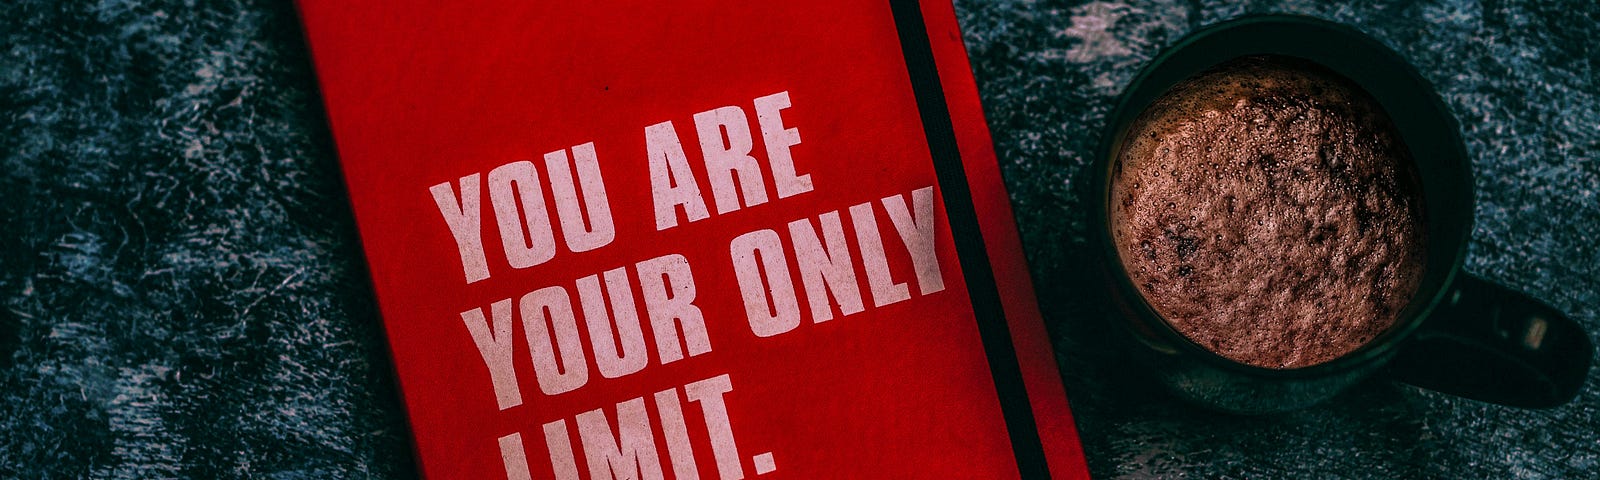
(1120, 117)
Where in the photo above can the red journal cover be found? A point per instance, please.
(690, 240)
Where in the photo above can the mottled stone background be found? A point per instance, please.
(184, 297)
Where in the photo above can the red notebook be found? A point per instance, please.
(712, 240)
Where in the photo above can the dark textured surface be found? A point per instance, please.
(183, 296)
(183, 291)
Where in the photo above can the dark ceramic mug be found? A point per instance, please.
(1459, 334)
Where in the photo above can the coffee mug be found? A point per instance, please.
(1459, 334)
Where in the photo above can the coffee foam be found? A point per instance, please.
(1267, 209)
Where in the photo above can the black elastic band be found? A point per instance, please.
(992, 327)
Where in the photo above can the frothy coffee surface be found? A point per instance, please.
(1268, 210)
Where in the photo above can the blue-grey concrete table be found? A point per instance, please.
(183, 294)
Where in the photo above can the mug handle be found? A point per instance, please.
(1488, 342)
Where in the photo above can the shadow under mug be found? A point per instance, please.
(1459, 335)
